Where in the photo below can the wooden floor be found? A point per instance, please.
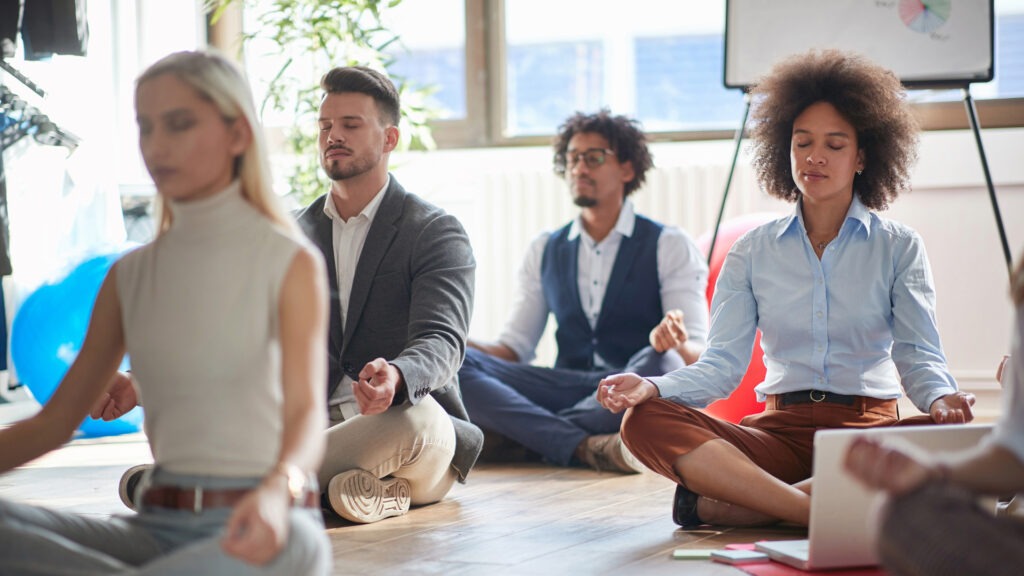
(509, 519)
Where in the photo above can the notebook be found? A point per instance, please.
(839, 535)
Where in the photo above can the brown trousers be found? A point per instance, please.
(780, 440)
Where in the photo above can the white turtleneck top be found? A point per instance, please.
(199, 306)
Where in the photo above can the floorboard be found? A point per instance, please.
(507, 520)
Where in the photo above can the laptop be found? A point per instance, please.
(839, 535)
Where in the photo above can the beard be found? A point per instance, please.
(356, 165)
(584, 201)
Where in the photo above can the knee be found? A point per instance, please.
(308, 550)
(902, 515)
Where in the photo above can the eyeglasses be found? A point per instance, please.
(592, 157)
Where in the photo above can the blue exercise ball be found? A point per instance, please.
(48, 332)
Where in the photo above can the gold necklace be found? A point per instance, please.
(823, 243)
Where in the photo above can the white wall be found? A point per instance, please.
(505, 196)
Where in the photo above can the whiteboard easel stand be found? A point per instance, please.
(732, 168)
(972, 117)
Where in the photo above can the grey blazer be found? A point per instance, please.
(411, 300)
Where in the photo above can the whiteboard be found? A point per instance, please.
(925, 42)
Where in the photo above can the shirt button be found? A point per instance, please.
(819, 314)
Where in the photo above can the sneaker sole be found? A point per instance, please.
(129, 484)
(361, 497)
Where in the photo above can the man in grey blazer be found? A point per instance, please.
(401, 273)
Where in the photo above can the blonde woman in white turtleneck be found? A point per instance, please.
(224, 317)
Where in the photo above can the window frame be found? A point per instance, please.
(486, 106)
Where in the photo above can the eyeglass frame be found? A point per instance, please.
(571, 160)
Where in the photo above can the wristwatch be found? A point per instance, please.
(298, 481)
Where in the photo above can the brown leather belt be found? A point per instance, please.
(198, 498)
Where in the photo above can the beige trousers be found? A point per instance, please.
(415, 442)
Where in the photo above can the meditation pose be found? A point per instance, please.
(224, 315)
(932, 523)
(400, 272)
(843, 298)
(627, 293)
(400, 275)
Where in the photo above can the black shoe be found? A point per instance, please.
(684, 508)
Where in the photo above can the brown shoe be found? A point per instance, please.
(606, 452)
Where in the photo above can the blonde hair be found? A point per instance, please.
(220, 82)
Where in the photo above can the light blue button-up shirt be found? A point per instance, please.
(859, 321)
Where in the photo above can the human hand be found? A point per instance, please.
(119, 398)
(621, 391)
(889, 467)
(669, 333)
(258, 526)
(376, 387)
(953, 408)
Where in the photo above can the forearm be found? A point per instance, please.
(690, 351)
(303, 440)
(496, 349)
(991, 469)
(31, 438)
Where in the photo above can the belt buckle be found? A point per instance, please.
(816, 399)
(197, 500)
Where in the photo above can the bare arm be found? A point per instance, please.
(898, 469)
(496, 349)
(258, 526)
(85, 381)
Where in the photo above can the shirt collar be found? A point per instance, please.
(624, 225)
(369, 211)
(857, 211)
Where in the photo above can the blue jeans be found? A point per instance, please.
(38, 541)
(548, 410)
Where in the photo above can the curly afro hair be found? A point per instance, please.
(868, 96)
(623, 134)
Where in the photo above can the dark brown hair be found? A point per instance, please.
(365, 81)
(868, 96)
(623, 134)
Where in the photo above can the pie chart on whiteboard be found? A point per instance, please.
(925, 16)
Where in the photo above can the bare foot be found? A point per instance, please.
(722, 513)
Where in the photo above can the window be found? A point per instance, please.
(510, 71)
(432, 55)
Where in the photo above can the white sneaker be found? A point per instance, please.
(130, 481)
(361, 497)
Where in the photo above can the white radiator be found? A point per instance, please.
(510, 208)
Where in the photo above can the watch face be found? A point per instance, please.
(296, 482)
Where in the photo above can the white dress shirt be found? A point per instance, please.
(682, 275)
(348, 237)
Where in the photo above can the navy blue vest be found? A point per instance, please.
(631, 306)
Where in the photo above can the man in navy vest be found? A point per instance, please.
(625, 291)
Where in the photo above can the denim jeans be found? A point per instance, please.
(157, 541)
